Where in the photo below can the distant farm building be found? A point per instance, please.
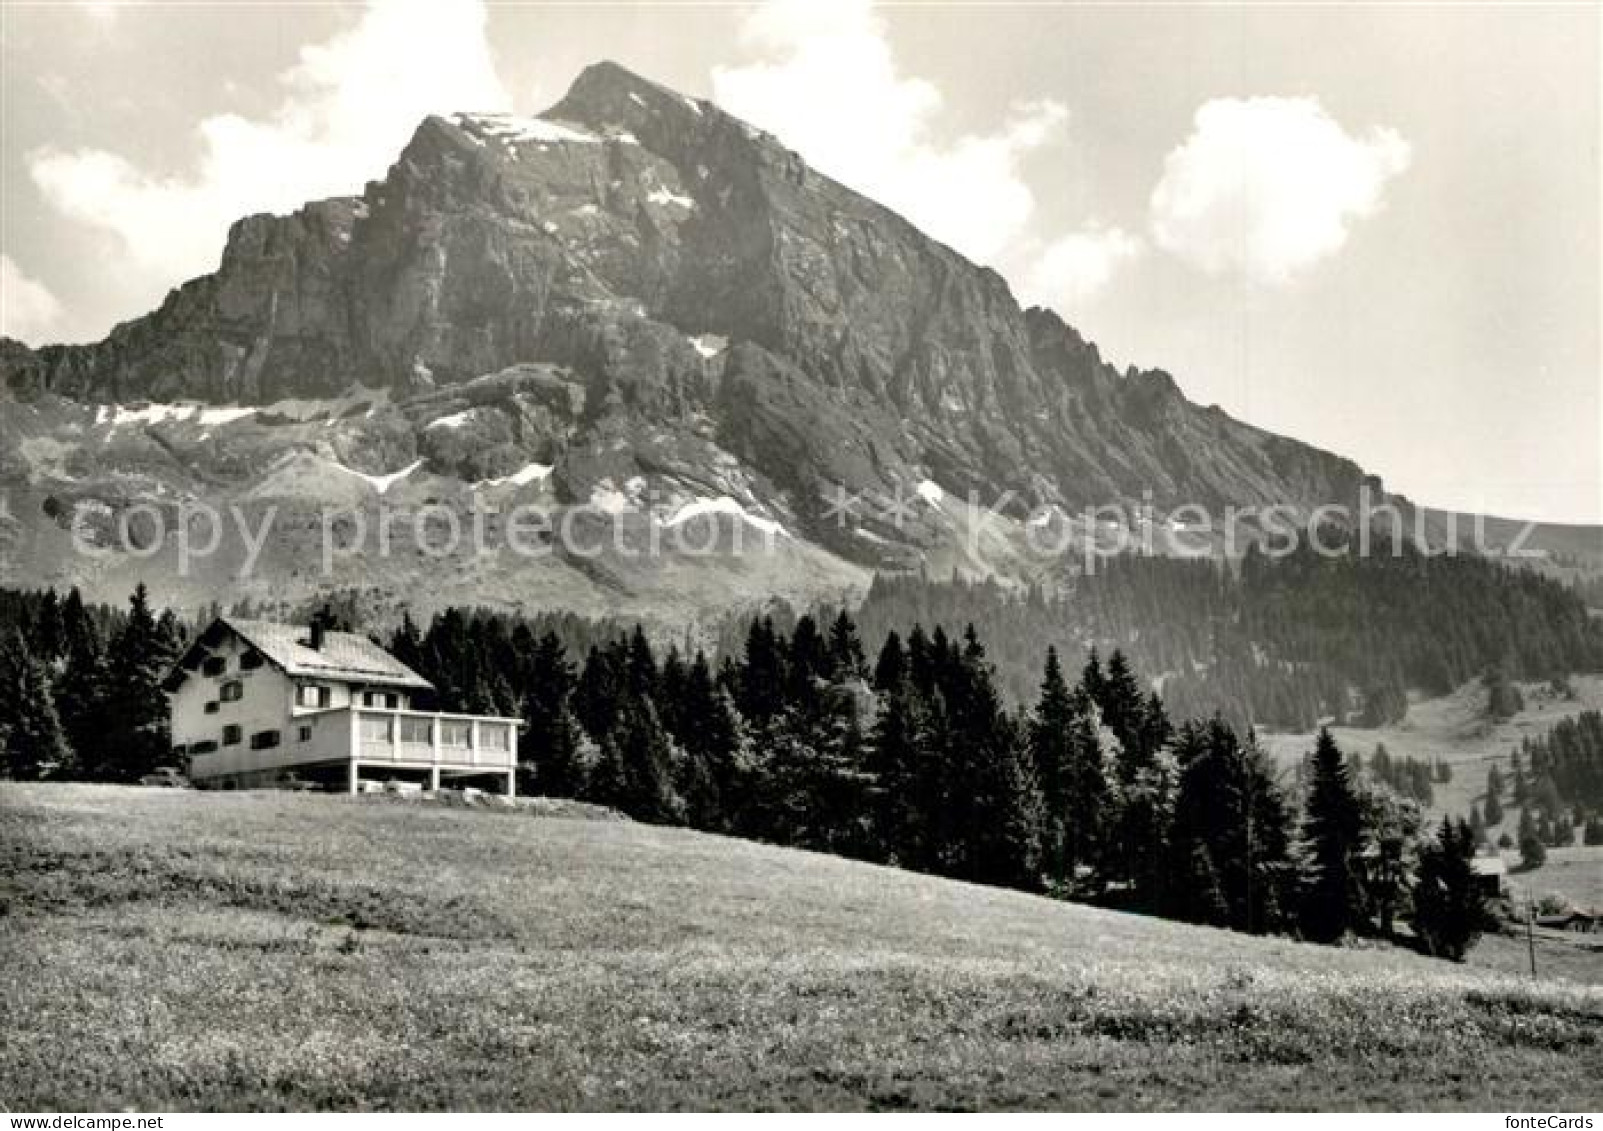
(1491, 875)
(1580, 922)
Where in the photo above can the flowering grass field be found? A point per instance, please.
(165, 949)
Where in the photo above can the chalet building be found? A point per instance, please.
(254, 703)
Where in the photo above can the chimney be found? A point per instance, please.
(317, 633)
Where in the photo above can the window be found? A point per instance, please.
(375, 728)
(214, 665)
(313, 695)
(210, 708)
(232, 734)
(495, 736)
(304, 734)
(454, 732)
(206, 747)
(250, 661)
(231, 691)
(264, 740)
(386, 699)
(419, 732)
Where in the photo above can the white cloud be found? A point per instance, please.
(828, 86)
(28, 310)
(1268, 187)
(349, 105)
(1075, 267)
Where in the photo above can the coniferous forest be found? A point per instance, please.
(1281, 643)
(906, 753)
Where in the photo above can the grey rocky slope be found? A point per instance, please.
(639, 302)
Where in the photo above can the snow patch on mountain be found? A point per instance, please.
(528, 473)
(117, 415)
(725, 505)
(662, 196)
(453, 421)
(607, 498)
(709, 345)
(510, 129)
(379, 483)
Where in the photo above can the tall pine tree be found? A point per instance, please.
(136, 741)
(1332, 899)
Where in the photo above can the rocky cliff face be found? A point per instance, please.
(639, 289)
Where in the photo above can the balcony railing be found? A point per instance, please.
(435, 739)
(368, 734)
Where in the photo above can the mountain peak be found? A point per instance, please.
(606, 93)
(721, 318)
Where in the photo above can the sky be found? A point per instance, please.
(1375, 229)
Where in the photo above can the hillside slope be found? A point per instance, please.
(256, 949)
(1455, 729)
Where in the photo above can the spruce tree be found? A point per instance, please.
(600, 694)
(845, 650)
(1229, 807)
(1124, 713)
(1503, 699)
(1092, 678)
(761, 691)
(1392, 824)
(921, 652)
(139, 657)
(1203, 900)
(607, 783)
(899, 822)
(1010, 851)
(1052, 735)
(552, 737)
(642, 674)
(1331, 898)
(1450, 911)
(647, 758)
(1091, 797)
(46, 635)
(711, 740)
(670, 694)
(890, 669)
(34, 744)
(993, 807)
(406, 644)
(81, 690)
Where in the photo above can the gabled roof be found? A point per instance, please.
(344, 656)
(1489, 866)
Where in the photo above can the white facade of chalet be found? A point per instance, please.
(254, 701)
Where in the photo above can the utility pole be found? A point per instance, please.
(1530, 929)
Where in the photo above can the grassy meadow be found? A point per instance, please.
(166, 949)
